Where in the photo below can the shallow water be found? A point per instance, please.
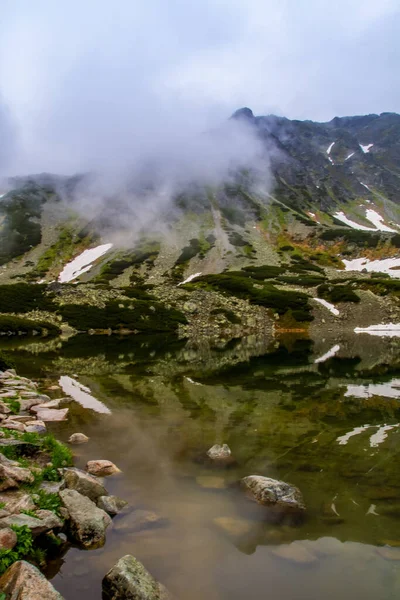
(154, 407)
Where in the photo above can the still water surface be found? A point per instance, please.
(329, 426)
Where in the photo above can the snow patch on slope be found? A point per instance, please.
(82, 263)
(328, 151)
(342, 217)
(376, 219)
(349, 156)
(366, 148)
(190, 278)
(328, 305)
(386, 265)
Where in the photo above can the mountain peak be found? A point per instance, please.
(243, 114)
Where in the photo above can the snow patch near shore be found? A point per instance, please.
(328, 305)
(383, 329)
(82, 395)
(328, 354)
(375, 439)
(390, 389)
(82, 263)
(386, 265)
(343, 439)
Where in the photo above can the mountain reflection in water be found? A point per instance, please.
(154, 406)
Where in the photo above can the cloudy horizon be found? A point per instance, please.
(87, 84)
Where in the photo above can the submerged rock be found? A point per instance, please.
(211, 482)
(87, 523)
(233, 526)
(140, 519)
(23, 581)
(295, 552)
(78, 438)
(111, 504)
(85, 484)
(129, 579)
(101, 468)
(273, 493)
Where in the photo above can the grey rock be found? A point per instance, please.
(11, 476)
(87, 523)
(51, 520)
(37, 526)
(23, 581)
(111, 504)
(35, 427)
(85, 484)
(274, 494)
(220, 455)
(129, 580)
(52, 414)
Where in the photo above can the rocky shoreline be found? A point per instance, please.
(46, 503)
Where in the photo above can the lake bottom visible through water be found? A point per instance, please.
(329, 427)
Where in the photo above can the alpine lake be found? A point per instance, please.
(323, 418)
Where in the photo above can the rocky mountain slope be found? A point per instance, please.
(319, 242)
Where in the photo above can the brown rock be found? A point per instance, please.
(8, 539)
(52, 414)
(13, 425)
(101, 468)
(23, 581)
(85, 484)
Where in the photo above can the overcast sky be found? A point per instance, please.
(92, 80)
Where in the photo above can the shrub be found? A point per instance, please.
(337, 293)
(139, 315)
(25, 297)
(22, 548)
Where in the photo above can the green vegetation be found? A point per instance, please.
(48, 501)
(136, 315)
(21, 229)
(10, 325)
(238, 283)
(22, 549)
(63, 248)
(13, 405)
(337, 293)
(354, 236)
(234, 215)
(25, 297)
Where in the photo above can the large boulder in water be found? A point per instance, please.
(278, 495)
(129, 580)
(85, 484)
(23, 581)
(87, 523)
